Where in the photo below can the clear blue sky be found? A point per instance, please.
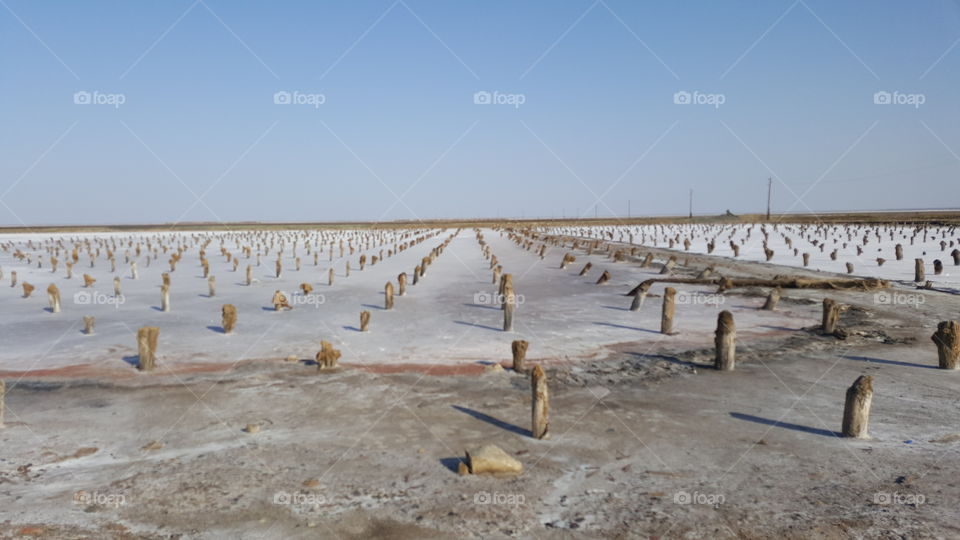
(598, 118)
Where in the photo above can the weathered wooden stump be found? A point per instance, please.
(519, 350)
(88, 323)
(586, 268)
(856, 409)
(509, 305)
(165, 298)
(604, 277)
(212, 286)
(541, 403)
(147, 347)
(53, 296)
(725, 341)
(772, 300)
(831, 317)
(947, 339)
(402, 284)
(388, 295)
(327, 357)
(228, 318)
(669, 308)
(364, 320)
(919, 273)
(280, 301)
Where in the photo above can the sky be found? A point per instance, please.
(212, 110)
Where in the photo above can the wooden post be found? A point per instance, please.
(772, 300)
(919, 274)
(164, 298)
(849, 268)
(212, 286)
(726, 342)
(330, 277)
(856, 409)
(116, 286)
(88, 323)
(402, 284)
(604, 277)
(669, 308)
(249, 274)
(831, 316)
(229, 318)
(509, 305)
(279, 268)
(639, 296)
(53, 295)
(947, 339)
(541, 403)
(147, 347)
(388, 295)
(586, 268)
(327, 357)
(364, 320)
(519, 350)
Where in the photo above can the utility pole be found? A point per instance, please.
(691, 203)
(769, 193)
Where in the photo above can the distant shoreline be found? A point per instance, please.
(939, 217)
